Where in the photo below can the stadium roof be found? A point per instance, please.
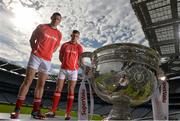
(160, 20)
(11, 67)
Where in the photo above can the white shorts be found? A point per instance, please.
(70, 74)
(39, 64)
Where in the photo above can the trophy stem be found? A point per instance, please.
(119, 111)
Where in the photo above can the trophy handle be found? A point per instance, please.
(81, 59)
(86, 68)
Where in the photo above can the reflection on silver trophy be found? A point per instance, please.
(123, 74)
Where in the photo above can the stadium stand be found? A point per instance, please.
(11, 79)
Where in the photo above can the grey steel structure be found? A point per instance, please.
(160, 20)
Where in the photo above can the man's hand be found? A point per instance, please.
(88, 71)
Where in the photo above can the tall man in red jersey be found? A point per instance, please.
(44, 42)
(69, 56)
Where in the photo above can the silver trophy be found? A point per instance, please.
(124, 75)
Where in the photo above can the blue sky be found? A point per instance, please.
(100, 23)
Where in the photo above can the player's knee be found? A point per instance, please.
(27, 82)
(40, 84)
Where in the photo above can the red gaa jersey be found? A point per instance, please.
(47, 39)
(70, 54)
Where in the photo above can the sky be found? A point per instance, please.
(101, 22)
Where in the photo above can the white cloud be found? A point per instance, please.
(100, 23)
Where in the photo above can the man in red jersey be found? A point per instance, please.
(44, 42)
(69, 56)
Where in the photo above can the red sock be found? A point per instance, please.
(56, 99)
(70, 100)
(36, 104)
(19, 103)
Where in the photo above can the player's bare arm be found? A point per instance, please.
(32, 41)
(56, 47)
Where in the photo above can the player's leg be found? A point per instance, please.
(70, 98)
(57, 93)
(30, 72)
(42, 76)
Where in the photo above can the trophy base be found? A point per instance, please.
(119, 111)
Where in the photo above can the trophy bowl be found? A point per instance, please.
(124, 75)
